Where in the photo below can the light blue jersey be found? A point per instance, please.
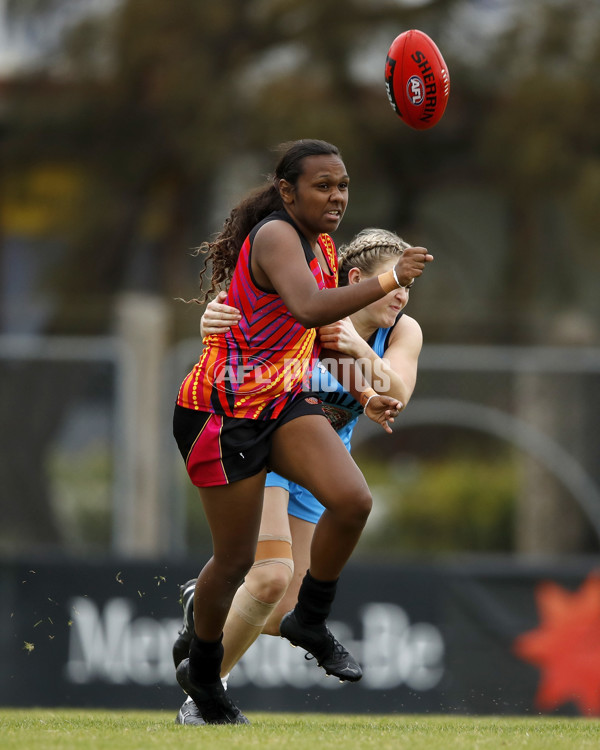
(343, 411)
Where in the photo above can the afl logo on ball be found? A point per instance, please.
(415, 90)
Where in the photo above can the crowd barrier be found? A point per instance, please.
(480, 637)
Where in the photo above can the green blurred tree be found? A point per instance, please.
(148, 105)
(154, 100)
(540, 144)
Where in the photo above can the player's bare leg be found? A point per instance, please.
(233, 513)
(254, 601)
(266, 581)
(306, 450)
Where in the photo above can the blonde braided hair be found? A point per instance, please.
(367, 251)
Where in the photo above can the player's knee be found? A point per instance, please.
(234, 568)
(272, 570)
(357, 509)
(269, 582)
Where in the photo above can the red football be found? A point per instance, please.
(417, 79)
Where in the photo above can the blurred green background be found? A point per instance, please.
(128, 129)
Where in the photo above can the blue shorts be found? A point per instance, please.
(302, 504)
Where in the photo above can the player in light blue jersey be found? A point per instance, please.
(386, 344)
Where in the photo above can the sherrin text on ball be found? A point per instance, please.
(417, 79)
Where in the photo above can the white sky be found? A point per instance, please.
(22, 41)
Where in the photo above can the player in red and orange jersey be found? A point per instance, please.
(251, 371)
(239, 412)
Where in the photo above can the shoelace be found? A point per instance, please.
(336, 650)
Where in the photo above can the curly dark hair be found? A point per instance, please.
(224, 250)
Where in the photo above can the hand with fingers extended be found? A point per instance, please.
(382, 409)
(411, 264)
(342, 337)
(218, 317)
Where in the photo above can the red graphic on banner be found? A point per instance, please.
(566, 646)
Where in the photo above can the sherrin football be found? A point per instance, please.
(417, 79)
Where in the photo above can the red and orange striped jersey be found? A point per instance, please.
(254, 369)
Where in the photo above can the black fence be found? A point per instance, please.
(485, 637)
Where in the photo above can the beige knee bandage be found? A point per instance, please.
(271, 550)
(251, 609)
(248, 614)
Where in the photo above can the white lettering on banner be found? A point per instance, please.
(392, 653)
(112, 646)
(396, 652)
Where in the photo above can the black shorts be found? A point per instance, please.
(218, 450)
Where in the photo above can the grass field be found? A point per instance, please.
(137, 730)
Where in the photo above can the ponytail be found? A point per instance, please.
(223, 252)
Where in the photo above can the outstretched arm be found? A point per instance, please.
(278, 263)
